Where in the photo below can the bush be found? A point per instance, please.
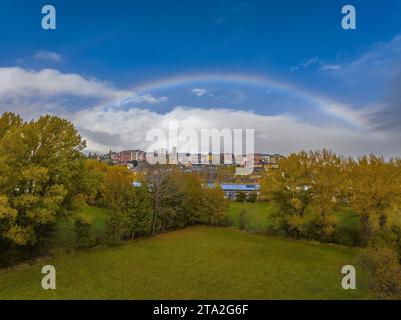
(384, 270)
(320, 227)
(243, 219)
(347, 236)
(241, 196)
(252, 197)
(116, 229)
(82, 230)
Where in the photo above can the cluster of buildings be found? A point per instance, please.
(134, 158)
(202, 163)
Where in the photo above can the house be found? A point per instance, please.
(231, 191)
(127, 156)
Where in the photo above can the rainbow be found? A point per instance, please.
(339, 110)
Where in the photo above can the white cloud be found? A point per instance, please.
(147, 98)
(18, 82)
(330, 67)
(305, 64)
(281, 133)
(199, 92)
(382, 58)
(316, 61)
(32, 93)
(47, 56)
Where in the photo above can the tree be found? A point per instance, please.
(92, 179)
(384, 270)
(138, 211)
(216, 206)
(326, 185)
(289, 188)
(116, 189)
(40, 166)
(373, 189)
(164, 192)
(243, 217)
(82, 230)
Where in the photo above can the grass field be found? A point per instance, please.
(194, 263)
(257, 214)
(257, 217)
(257, 220)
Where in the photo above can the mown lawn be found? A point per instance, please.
(194, 263)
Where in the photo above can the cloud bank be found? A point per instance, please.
(99, 111)
(127, 129)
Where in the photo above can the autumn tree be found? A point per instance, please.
(216, 206)
(93, 177)
(326, 184)
(40, 165)
(374, 189)
(289, 188)
(116, 187)
(138, 211)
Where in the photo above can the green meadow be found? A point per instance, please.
(194, 263)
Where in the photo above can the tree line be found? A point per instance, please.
(309, 189)
(44, 177)
(164, 199)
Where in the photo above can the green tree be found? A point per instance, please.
(116, 189)
(289, 188)
(40, 166)
(82, 230)
(138, 211)
(243, 219)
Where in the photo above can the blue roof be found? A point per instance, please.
(237, 187)
(240, 187)
(224, 186)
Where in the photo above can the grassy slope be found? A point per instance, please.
(195, 263)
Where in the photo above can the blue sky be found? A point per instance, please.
(223, 60)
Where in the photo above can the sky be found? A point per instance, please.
(286, 69)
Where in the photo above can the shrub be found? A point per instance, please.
(241, 196)
(348, 236)
(384, 270)
(252, 197)
(82, 231)
(116, 229)
(243, 219)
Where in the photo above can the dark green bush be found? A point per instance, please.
(82, 230)
(384, 269)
